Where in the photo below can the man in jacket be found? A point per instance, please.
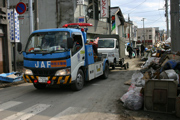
(142, 50)
(130, 50)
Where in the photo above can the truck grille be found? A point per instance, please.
(44, 72)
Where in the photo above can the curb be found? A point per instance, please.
(5, 84)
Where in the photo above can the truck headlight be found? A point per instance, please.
(27, 71)
(63, 72)
(111, 55)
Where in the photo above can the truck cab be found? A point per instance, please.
(109, 47)
(61, 56)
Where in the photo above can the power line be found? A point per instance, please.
(127, 3)
(148, 15)
(144, 11)
(154, 21)
(135, 7)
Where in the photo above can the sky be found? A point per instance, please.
(152, 10)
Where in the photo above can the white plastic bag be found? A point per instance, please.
(131, 90)
(134, 101)
(126, 95)
(136, 77)
(148, 62)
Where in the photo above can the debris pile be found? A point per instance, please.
(157, 85)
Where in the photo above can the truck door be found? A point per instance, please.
(78, 54)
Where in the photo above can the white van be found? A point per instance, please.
(109, 47)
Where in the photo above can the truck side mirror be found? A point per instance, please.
(19, 47)
(70, 42)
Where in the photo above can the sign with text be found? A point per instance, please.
(104, 8)
(13, 25)
(80, 2)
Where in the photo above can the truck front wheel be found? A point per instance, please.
(39, 86)
(79, 82)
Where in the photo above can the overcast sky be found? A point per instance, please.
(148, 9)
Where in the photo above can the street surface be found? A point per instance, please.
(99, 100)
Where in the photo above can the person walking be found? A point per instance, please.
(137, 51)
(142, 50)
(130, 50)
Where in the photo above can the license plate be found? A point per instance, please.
(43, 79)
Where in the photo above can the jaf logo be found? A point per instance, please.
(50, 64)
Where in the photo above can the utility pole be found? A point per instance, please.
(109, 17)
(94, 15)
(30, 16)
(175, 29)
(36, 15)
(129, 30)
(167, 18)
(9, 43)
(14, 43)
(143, 30)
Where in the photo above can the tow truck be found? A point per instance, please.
(61, 56)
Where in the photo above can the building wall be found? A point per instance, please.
(149, 35)
(100, 27)
(130, 30)
(5, 46)
(121, 30)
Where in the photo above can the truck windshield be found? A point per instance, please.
(106, 44)
(47, 42)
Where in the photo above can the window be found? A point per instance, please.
(105, 43)
(150, 30)
(150, 36)
(78, 43)
(47, 42)
(139, 37)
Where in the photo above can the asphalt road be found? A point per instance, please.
(99, 100)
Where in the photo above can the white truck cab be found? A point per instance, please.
(109, 47)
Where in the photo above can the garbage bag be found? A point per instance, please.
(134, 101)
(131, 90)
(169, 74)
(136, 78)
(126, 95)
(148, 62)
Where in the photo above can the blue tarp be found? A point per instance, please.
(171, 64)
(4, 77)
